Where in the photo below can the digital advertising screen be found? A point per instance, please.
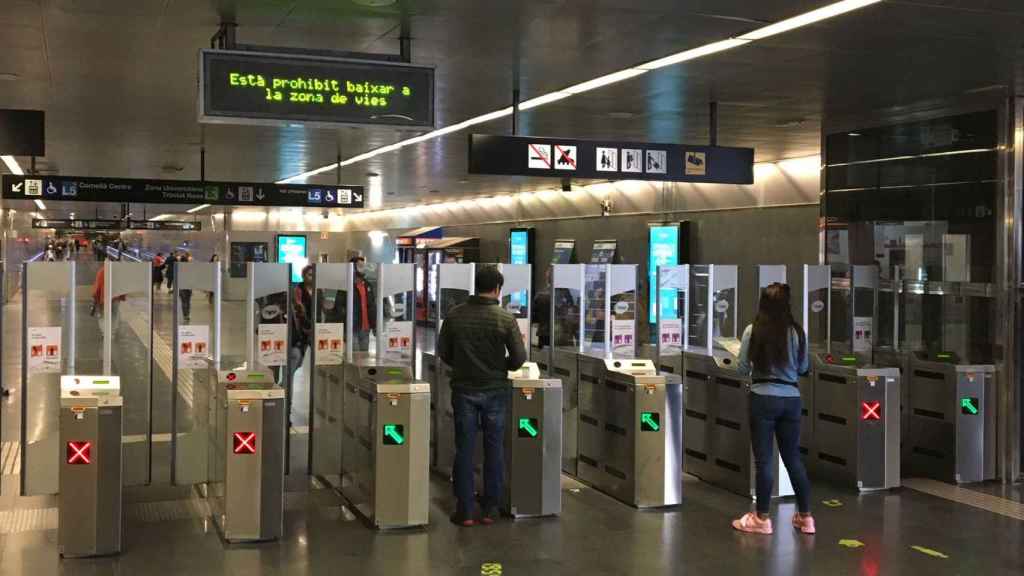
(662, 250)
(564, 250)
(292, 250)
(519, 247)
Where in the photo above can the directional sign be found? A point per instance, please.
(528, 428)
(970, 406)
(604, 160)
(65, 224)
(650, 421)
(178, 191)
(394, 434)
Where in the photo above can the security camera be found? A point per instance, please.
(326, 214)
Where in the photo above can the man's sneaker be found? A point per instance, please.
(804, 524)
(749, 522)
(463, 521)
(489, 517)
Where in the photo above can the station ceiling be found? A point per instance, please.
(118, 78)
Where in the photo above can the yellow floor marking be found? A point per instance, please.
(832, 503)
(930, 552)
(851, 543)
(490, 569)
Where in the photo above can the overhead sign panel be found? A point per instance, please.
(180, 192)
(604, 160)
(22, 132)
(266, 88)
(66, 224)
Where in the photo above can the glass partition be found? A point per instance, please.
(516, 297)
(816, 306)
(673, 284)
(396, 313)
(725, 311)
(567, 307)
(454, 286)
(700, 305)
(331, 345)
(195, 341)
(48, 351)
(125, 318)
(595, 306)
(865, 310)
(270, 344)
(622, 305)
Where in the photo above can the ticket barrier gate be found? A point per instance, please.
(716, 426)
(385, 449)
(534, 444)
(428, 372)
(856, 415)
(631, 444)
(565, 367)
(952, 419)
(444, 419)
(91, 471)
(246, 487)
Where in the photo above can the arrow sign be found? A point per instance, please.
(394, 433)
(357, 197)
(17, 187)
(527, 426)
(649, 422)
(969, 406)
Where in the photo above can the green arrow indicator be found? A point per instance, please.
(526, 426)
(393, 432)
(967, 406)
(648, 419)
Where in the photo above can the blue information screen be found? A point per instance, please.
(519, 247)
(292, 250)
(662, 250)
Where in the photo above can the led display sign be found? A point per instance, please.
(662, 250)
(871, 410)
(266, 88)
(650, 421)
(79, 452)
(244, 443)
(528, 428)
(970, 406)
(394, 434)
(291, 250)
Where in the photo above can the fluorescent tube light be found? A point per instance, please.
(694, 53)
(544, 99)
(12, 165)
(197, 208)
(605, 80)
(823, 13)
(40, 205)
(160, 217)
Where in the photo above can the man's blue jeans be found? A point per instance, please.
(473, 410)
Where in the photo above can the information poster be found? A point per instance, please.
(193, 346)
(44, 350)
(330, 344)
(862, 326)
(670, 333)
(272, 344)
(622, 337)
(398, 338)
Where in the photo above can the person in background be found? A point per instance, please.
(364, 302)
(302, 319)
(542, 312)
(774, 353)
(481, 342)
(171, 270)
(185, 295)
(158, 271)
(214, 258)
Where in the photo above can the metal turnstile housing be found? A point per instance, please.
(946, 440)
(429, 370)
(716, 427)
(246, 488)
(91, 470)
(534, 447)
(386, 451)
(856, 415)
(631, 444)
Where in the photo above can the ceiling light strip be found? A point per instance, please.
(13, 165)
(823, 13)
(40, 205)
(914, 157)
(197, 208)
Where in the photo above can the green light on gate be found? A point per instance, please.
(528, 428)
(944, 356)
(969, 406)
(256, 375)
(394, 434)
(849, 359)
(650, 421)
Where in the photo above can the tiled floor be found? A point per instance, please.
(166, 533)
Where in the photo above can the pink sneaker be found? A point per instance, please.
(749, 522)
(804, 524)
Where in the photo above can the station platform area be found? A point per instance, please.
(925, 527)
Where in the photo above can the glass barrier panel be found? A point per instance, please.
(699, 315)
(516, 297)
(725, 312)
(596, 312)
(396, 314)
(672, 306)
(840, 310)
(567, 307)
(330, 343)
(816, 306)
(454, 287)
(624, 315)
(865, 309)
(49, 314)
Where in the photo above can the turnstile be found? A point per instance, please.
(385, 451)
(565, 367)
(951, 407)
(428, 371)
(856, 415)
(542, 356)
(91, 474)
(534, 444)
(247, 436)
(716, 426)
(630, 433)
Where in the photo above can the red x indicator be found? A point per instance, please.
(79, 452)
(245, 443)
(870, 410)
